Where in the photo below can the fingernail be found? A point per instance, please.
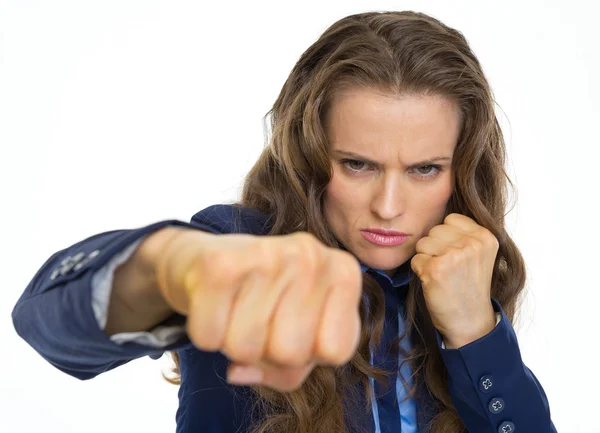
(245, 375)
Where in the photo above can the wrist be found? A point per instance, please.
(154, 250)
(136, 302)
(456, 341)
(155, 244)
(164, 253)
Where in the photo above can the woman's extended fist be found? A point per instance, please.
(276, 306)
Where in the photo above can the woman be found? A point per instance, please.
(386, 123)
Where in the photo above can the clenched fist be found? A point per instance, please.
(276, 306)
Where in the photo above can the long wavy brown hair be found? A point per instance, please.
(397, 53)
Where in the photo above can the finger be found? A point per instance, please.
(418, 262)
(339, 329)
(252, 309)
(278, 347)
(209, 311)
(295, 321)
(432, 246)
(283, 379)
(286, 379)
(446, 233)
(462, 222)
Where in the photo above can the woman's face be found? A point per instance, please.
(378, 146)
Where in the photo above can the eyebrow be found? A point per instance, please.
(371, 162)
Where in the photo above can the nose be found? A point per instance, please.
(389, 200)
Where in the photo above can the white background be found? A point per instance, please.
(117, 114)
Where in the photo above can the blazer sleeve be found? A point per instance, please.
(55, 313)
(490, 386)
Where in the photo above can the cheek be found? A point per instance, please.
(340, 202)
(334, 197)
(433, 204)
(437, 200)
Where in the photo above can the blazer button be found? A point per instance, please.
(506, 427)
(63, 268)
(68, 263)
(486, 383)
(55, 273)
(496, 405)
(85, 261)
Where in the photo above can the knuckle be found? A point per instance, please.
(285, 348)
(433, 231)
(305, 236)
(308, 242)
(210, 342)
(239, 351)
(219, 261)
(350, 267)
(262, 271)
(490, 238)
(284, 354)
(332, 354)
(473, 243)
(452, 217)
(344, 356)
(263, 249)
(305, 250)
(291, 248)
(439, 269)
(310, 261)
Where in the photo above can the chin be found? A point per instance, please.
(384, 264)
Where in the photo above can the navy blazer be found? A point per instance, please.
(490, 386)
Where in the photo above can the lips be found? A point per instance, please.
(384, 240)
(385, 232)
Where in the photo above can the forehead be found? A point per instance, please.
(365, 120)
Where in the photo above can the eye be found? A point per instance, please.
(433, 171)
(355, 167)
(347, 163)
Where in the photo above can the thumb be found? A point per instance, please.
(285, 379)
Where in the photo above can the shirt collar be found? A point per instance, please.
(402, 276)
